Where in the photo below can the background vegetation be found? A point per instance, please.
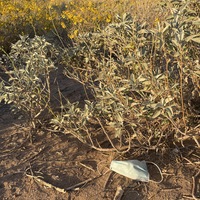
(138, 62)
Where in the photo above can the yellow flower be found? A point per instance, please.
(108, 19)
(156, 20)
(63, 25)
(74, 34)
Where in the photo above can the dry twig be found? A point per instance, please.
(119, 193)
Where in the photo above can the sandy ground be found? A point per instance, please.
(58, 166)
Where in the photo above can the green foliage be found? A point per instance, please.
(28, 67)
(139, 77)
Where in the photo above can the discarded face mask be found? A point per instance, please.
(133, 169)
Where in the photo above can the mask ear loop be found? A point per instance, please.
(158, 170)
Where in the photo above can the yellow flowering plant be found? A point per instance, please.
(24, 17)
(85, 16)
(93, 15)
(75, 16)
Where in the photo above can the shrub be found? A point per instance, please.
(144, 77)
(140, 77)
(28, 67)
(91, 15)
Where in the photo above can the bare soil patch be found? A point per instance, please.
(58, 166)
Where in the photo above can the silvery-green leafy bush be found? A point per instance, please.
(143, 80)
(28, 69)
